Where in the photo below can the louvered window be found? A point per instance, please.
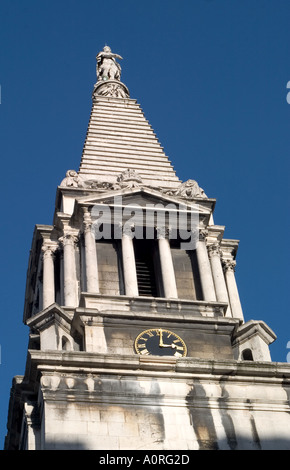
(145, 268)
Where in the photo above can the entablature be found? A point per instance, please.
(68, 197)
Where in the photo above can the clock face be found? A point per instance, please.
(160, 342)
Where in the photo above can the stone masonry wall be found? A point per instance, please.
(122, 412)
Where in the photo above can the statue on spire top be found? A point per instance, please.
(107, 66)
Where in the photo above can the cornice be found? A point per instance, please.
(185, 318)
(189, 367)
(52, 314)
(159, 308)
(251, 328)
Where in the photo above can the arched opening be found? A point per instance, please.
(247, 355)
(65, 344)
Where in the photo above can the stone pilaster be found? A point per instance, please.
(95, 338)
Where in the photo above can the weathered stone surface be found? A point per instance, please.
(86, 383)
(161, 404)
(109, 148)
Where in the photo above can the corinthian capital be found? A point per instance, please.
(214, 250)
(203, 233)
(87, 221)
(163, 232)
(229, 265)
(68, 239)
(48, 250)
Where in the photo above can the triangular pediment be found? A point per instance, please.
(143, 197)
(43, 319)
(141, 200)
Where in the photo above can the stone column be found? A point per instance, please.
(91, 263)
(32, 417)
(129, 266)
(236, 308)
(48, 295)
(61, 279)
(166, 263)
(69, 269)
(205, 273)
(214, 254)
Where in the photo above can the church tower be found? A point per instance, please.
(137, 338)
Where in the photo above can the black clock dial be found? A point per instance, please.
(160, 342)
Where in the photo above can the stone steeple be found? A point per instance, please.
(137, 339)
(119, 136)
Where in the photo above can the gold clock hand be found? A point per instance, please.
(161, 339)
(167, 346)
(161, 344)
(178, 347)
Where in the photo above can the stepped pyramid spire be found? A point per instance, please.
(119, 137)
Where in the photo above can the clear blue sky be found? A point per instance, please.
(211, 77)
